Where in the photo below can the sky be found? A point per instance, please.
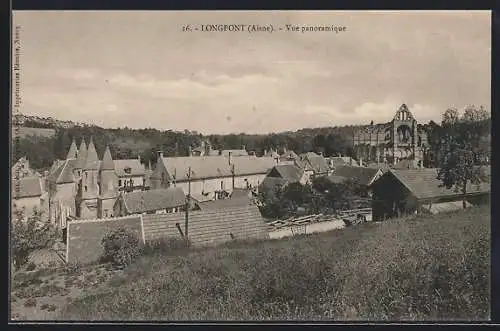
(139, 69)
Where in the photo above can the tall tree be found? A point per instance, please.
(461, 152)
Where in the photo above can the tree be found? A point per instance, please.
(29, 235)
(461, 149)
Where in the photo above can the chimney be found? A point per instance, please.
(160, 154)
(229, 158)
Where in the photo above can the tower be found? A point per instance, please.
(90, 188)
(72, 153)
(108, 185)
(404, 134)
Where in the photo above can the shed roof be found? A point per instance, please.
(362, 174)
(424, 184)
(445, 207)
(27, 187)
(151, 200)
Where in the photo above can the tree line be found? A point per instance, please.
(144, 143)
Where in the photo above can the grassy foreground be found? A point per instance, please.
(422, 268)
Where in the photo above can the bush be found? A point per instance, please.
(121, 247)
(28, 236)
(166, 246)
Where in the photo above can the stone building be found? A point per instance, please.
(400, 139)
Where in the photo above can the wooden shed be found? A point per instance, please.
(410, 191)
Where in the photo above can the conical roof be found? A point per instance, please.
(72, 150)
(107, 161)
(82, 154)
(92, 159)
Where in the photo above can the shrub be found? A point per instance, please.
(28, 236)
(121, 247)
(166, 246)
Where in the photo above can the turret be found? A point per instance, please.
(73, 152)
(108, 179)
(90, 173)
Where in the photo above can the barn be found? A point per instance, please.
(403, 192)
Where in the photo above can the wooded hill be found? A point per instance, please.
(131, 143)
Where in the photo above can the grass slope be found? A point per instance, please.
(421, 268)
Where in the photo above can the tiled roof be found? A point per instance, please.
(318, 164)
(289, 155)
(225, 203)
(136, 167)
(302, 164)
(107, 160)
(362, 174)
(424, 184)
(144, 201)
(201, 167)
(27, 187)
(234, 152)
(291, 173)
(251, 165)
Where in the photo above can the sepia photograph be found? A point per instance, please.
(250, 166)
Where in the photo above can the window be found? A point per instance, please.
(86, 175)
(128, 170)
(119, 182)
(131, 182)
(85, 188)
(105, 213)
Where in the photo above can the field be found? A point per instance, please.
(419, 268)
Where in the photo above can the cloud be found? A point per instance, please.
(138, 69)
